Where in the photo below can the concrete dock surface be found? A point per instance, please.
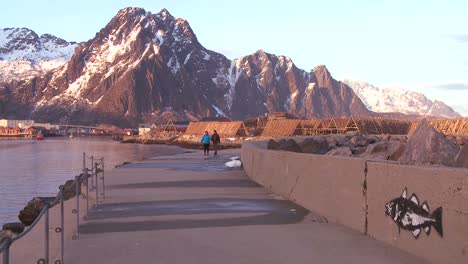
(190, 208)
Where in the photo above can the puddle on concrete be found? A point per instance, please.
(226, 183)
(195, 206)
(272, 212)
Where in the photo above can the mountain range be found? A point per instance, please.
(24, 54)
(399, 100)
(143, 67)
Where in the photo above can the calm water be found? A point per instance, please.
(30, 168)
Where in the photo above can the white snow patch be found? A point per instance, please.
(187, 58)
(159, 37)
(232, 77)
(206, 55)
(173, 63)
(398, 100)
(233, 164)
(219, 111)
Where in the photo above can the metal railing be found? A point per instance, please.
(96, 173)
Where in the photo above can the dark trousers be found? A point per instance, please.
(215, 148)
(206, 148)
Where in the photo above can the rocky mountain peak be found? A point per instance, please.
(147, 67)
(23, 54)
(399, 100)
(164, 15)
(17, 39)
(130, 11)
(323, 76)
(321, 70)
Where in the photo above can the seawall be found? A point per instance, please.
(354, 192)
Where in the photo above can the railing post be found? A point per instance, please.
(92, 172)
(6, 252)
(77, 195)
(84, 163)
(103, 183)
(97, 189)
(46, 237)
(62, 225)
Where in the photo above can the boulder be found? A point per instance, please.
(343, 151)
(397, 151)
(386, 137)
(4, 234)
(317, 145)
(33, 208)
(358, 150)
(459, 141)
(69, 189)
(428, 146)
(272, 144)
(358, 141)
(371, 139)
(290, 145)
(401, 138)
(462, 158)
(376, 151)
(384, 150)
(351, 134)
(16, 228)
(336, 140)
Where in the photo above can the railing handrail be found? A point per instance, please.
(8, 242)
(38, 218)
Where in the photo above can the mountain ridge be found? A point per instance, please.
(25, 54)
(143, 67)
(384, 100)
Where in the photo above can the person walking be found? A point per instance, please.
(216, 141)
(205, 140)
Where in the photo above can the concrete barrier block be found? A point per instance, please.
(439, 187)
(330, 186)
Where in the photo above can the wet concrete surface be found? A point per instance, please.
(191, 209)
(282, 208)
(210, 163)
(264, 212)
(188, 184)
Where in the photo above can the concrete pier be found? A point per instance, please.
(189, 208)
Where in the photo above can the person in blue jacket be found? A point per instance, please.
(205, 140)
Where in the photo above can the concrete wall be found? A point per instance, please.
(440, 187)
(353, 192)
(312, 181)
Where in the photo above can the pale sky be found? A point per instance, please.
(415, 45)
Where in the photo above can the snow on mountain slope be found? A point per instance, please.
(144, 67)
(398, 100)
(24, 54)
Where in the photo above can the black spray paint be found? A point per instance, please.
(409, 215)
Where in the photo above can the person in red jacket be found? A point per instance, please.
(216, 141)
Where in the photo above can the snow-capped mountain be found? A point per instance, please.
(398, 100)
(143, 66)
(24, 54)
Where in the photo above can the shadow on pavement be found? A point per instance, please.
(187, 184)
(274, 212)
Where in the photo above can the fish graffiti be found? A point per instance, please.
(409, 215)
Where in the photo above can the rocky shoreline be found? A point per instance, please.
(34, 207)
(426, 146)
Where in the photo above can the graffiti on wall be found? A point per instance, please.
(409, 215)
